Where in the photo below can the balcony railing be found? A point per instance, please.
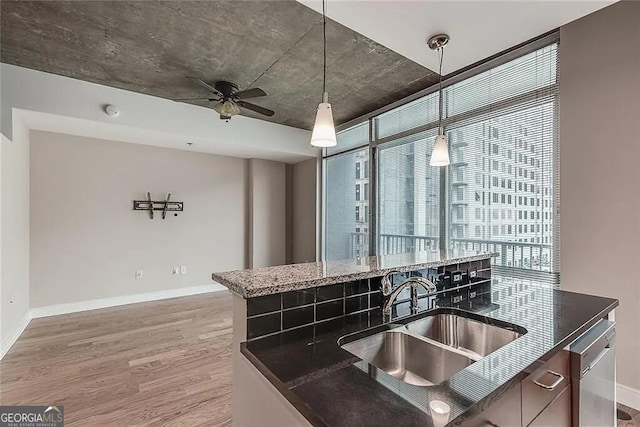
(529, 256)
(392, 244)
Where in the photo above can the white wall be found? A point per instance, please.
(268, 191)
(87, 242)
(14, 233)
(303, 211)
(599, 168)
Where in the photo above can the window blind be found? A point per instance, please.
(503, 178)
(349, 139)
(421, 112)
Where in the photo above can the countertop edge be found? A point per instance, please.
(294, 400)
(246, 293)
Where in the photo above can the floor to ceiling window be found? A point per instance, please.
(499, 194)
(408, 202)
(346, 196)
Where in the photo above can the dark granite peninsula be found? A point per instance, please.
(302, 334)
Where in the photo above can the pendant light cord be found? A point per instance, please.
(441, 49)
(324, 46)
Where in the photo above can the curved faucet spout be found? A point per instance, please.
(387, 282)
(414, 282)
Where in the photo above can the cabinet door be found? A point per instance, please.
(557, 414)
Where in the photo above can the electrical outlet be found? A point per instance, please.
(176, 270)
(183, 269)
(138, 274)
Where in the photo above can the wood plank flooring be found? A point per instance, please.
(635, 417)
(161, 363)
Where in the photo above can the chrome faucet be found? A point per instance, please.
(387, 282)
(414, 282)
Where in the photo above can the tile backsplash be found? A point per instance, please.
(288, 311)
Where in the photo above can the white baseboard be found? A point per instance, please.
(74, 307)
(14, 334)
(628, 396)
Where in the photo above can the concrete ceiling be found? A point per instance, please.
(478, 28)
(151, 46)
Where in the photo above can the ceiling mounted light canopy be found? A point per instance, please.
(324, 131)
(440, 153)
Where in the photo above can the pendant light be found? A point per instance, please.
(440, 153)
(324, 132)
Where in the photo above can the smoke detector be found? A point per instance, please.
(111, 110)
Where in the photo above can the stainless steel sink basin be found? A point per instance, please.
(473, 337)
(408, 358)
(429, 350)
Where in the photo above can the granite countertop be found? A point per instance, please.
(331, 387)
(283, 278)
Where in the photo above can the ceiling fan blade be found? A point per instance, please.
(256, 108)
(250, 93)
(206, 86)
(195, 99)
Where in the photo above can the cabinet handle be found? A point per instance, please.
(553, 385)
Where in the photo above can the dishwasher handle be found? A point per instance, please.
(587, 368)
(553, 385)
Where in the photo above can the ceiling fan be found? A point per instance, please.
(229, 98)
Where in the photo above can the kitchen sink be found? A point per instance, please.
(473, 337)
(430, 349)
(410, 359)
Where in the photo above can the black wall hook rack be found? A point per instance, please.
(155, 205)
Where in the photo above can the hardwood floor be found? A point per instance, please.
(635, 417)
(164, 363)
(161, 363)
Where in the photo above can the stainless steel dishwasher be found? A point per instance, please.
(593, 375)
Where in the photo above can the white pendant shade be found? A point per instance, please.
(324, 133)
(440, 154)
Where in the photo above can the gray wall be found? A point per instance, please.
(599, 171)
(267, 210)
(14, 228)
(87, 242)
(302, 180)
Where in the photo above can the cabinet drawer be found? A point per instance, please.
(557, 414)
(541, 387)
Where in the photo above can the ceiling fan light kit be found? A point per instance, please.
(324, 131)
(440, 153)
(226, 109)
